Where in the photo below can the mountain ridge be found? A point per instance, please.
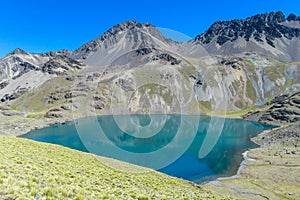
(132, 53)
(263, 29)
(135, 31)
(270, 34)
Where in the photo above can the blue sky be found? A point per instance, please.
(41, 26)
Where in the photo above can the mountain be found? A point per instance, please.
(269, 34)
(232, 67)
(19, 62)
(121, 39)
(21, 71)
(248, 68)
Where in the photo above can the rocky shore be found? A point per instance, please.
(281, 110)
(272, 171)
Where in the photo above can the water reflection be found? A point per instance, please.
(186, 146)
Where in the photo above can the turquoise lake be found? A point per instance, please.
(195, 148)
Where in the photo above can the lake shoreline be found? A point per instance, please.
(236, 166)
(243, 164)
(26, 125)
(58, 121)
(275, 164)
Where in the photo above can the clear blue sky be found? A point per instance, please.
(41, 26)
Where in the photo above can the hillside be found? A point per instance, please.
(33, 170)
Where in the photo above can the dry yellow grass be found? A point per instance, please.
(34, 170)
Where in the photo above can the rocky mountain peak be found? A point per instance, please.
(122, 37)
(269, 18)
(18, 51)
(65, 52)
(53, 54)
(260, 27)
(61, 65)
(293, 17)
(127, 25)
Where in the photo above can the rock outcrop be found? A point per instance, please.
(281, 110)
(61, 65)
(268, 34)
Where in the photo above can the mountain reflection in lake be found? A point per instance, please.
(192, 147)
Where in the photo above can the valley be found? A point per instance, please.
(246, 69)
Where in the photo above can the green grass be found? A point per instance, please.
(195, 61)
(275, 72)
(251, 93)
(188, 70)
(204, 106)
(222, 69)
(251, 70)
(30, 169)
(36, 100)
(35, 116)
(240, 113)
(156, 89)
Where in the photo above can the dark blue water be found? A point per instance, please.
(195, 148)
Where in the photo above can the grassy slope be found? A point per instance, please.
(30, 169)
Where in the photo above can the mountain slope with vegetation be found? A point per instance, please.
(33, 170)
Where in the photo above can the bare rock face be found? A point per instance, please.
(13, 96)
(259, 26)
(3, 84)
(54, 113)
(141, 38)
(167, 57)
(262, 33)
(61, 65)
(112, 37)
(21, 71)
(282, 109)
(19, 62)
(53, 54)
(132, 53)
(283, 136)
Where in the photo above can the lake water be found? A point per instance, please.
(195, 148)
